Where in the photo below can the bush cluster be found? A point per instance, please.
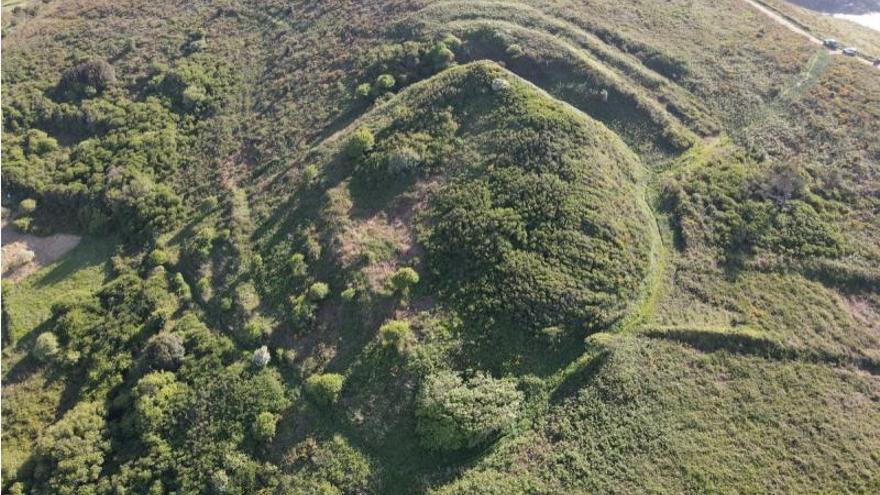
(455, 413)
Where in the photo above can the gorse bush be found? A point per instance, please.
(395, 333)
(158, 397)
(27, 206)
(318, 291)
(45, 347)
(360, 143)
(264, 426)
(454, 413)
(325, 388)
(71, 452)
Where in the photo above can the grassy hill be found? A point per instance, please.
(450, 247)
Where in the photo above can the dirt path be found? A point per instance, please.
(781, 20)
(24, 254)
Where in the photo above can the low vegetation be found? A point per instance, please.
(439, 248)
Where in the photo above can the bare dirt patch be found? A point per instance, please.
(24, 254)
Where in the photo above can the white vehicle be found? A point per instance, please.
(850, 51)
(831, 43)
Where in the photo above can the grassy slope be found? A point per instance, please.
(32, 396)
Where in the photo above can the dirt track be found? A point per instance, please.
(779, 19)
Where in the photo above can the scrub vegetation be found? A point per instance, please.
(482, 247)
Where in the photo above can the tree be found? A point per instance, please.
(441, 56)
(157, 395)
(264, 426)
(384, 83)
(27, 206)
(97, 74)
(395, 333)
(165, 351)
(71, 452)
(297, 264)
(158, 257)
(403, 279)
(360, 143)
(363, 90)
(453, 413)
(325, 388)
(46, 347)
(318, 291)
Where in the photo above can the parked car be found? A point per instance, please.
(831, 43)
(877, 62)
(850, 51)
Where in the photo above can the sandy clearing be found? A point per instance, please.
(23, 254)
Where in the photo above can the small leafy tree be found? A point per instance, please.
(325, 388)
(403, 279)
(453, 413)
(158, 257)
(384, 83)
(360, 143)
(318, 291)
(441, 56)
(165, 351)
(395, 333)
(27, 206)
(95, 74)
(264, 426)
(46, 347)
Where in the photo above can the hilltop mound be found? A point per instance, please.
(524, 213)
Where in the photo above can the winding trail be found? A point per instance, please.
(782, 21)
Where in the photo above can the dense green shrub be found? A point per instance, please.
(515, 51)
(27, 206)
(263, 428)
(454, 413)
(158, 257)
(403, 279)
(318, 291)
(441, 56)
(325, 388)
(384, 83)
(363, 90)
(158, 396)
(23, 224)
(728, 205)
(71, 452)
(202, 242)
(165, 351)
(91, 75)
(360, 143)
(45, 347)
(395, 333)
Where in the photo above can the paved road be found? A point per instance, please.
(796, 29)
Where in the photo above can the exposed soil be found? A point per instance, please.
(24, 254)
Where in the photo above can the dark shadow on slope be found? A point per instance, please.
(747, 345)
